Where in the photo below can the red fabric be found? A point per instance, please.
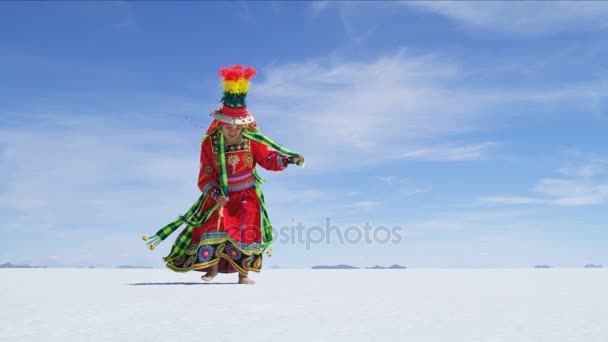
(241, 215)
(240, 218)
(234, 112)
(213, 126)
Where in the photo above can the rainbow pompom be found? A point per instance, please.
(236, 84)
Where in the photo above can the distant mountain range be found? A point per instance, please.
(9, 265)
(349, 267)
(334, 267)
(317, 267)
(392, 267)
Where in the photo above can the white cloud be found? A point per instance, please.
(95, 175)
(523, 17)
(450, 153)
(404, 186)
(387, 179)
(559, 192)
(588, 170)
(355, 114)
(365, 204)
(512, 200)
(358, 109)
(573, 192)
(471, 221)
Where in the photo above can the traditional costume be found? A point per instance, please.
(236, 235)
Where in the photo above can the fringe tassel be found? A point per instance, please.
(152, 241)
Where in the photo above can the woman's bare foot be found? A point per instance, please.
(244, 280)
(210, 274)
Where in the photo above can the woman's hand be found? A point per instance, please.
(296, 160)
(221, 200)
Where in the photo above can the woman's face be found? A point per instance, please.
(232, 132)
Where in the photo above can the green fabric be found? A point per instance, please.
(234, 100)
(271, 143)
(223, 173)
(167, 230)
(189, 218)
(267, 234)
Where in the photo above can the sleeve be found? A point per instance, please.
(267, 158)
(207, 178)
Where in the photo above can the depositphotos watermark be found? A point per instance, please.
(354, 234)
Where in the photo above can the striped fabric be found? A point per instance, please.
(241, 181)
(190, 217)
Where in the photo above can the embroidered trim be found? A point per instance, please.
(216, 161)
(233, 160)
(244, 145)
(233, 252)
(219, 237)
(280, 161)
(209, 185)
(248, 159)
(222, 250)
(203, 265)
(205, 253)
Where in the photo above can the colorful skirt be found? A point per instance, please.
(231, 238)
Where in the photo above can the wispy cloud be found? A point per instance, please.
(355, 108)
(365, 204)
(404, 186)
(525, 17)
(558, 192)
(94, 174)
(588, 170)
(387, 179)
(408, 107)
(567, 192)
(450, 153)
(512, 200)
(472, 221)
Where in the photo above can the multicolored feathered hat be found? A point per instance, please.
(236, 85)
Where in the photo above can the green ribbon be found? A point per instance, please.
(189, 218)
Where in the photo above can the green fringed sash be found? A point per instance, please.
(190, 217)
(271, 143)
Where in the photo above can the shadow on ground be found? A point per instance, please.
(181, 283)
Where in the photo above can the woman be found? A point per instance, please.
(228, 228)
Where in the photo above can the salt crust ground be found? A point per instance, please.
(514, 305)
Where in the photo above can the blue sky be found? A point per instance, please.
(477, 129)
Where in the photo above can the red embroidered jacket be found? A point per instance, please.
(241, 159)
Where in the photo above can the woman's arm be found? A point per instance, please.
(207, 178)
(269, 159)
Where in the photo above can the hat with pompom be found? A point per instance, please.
(236, 85)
